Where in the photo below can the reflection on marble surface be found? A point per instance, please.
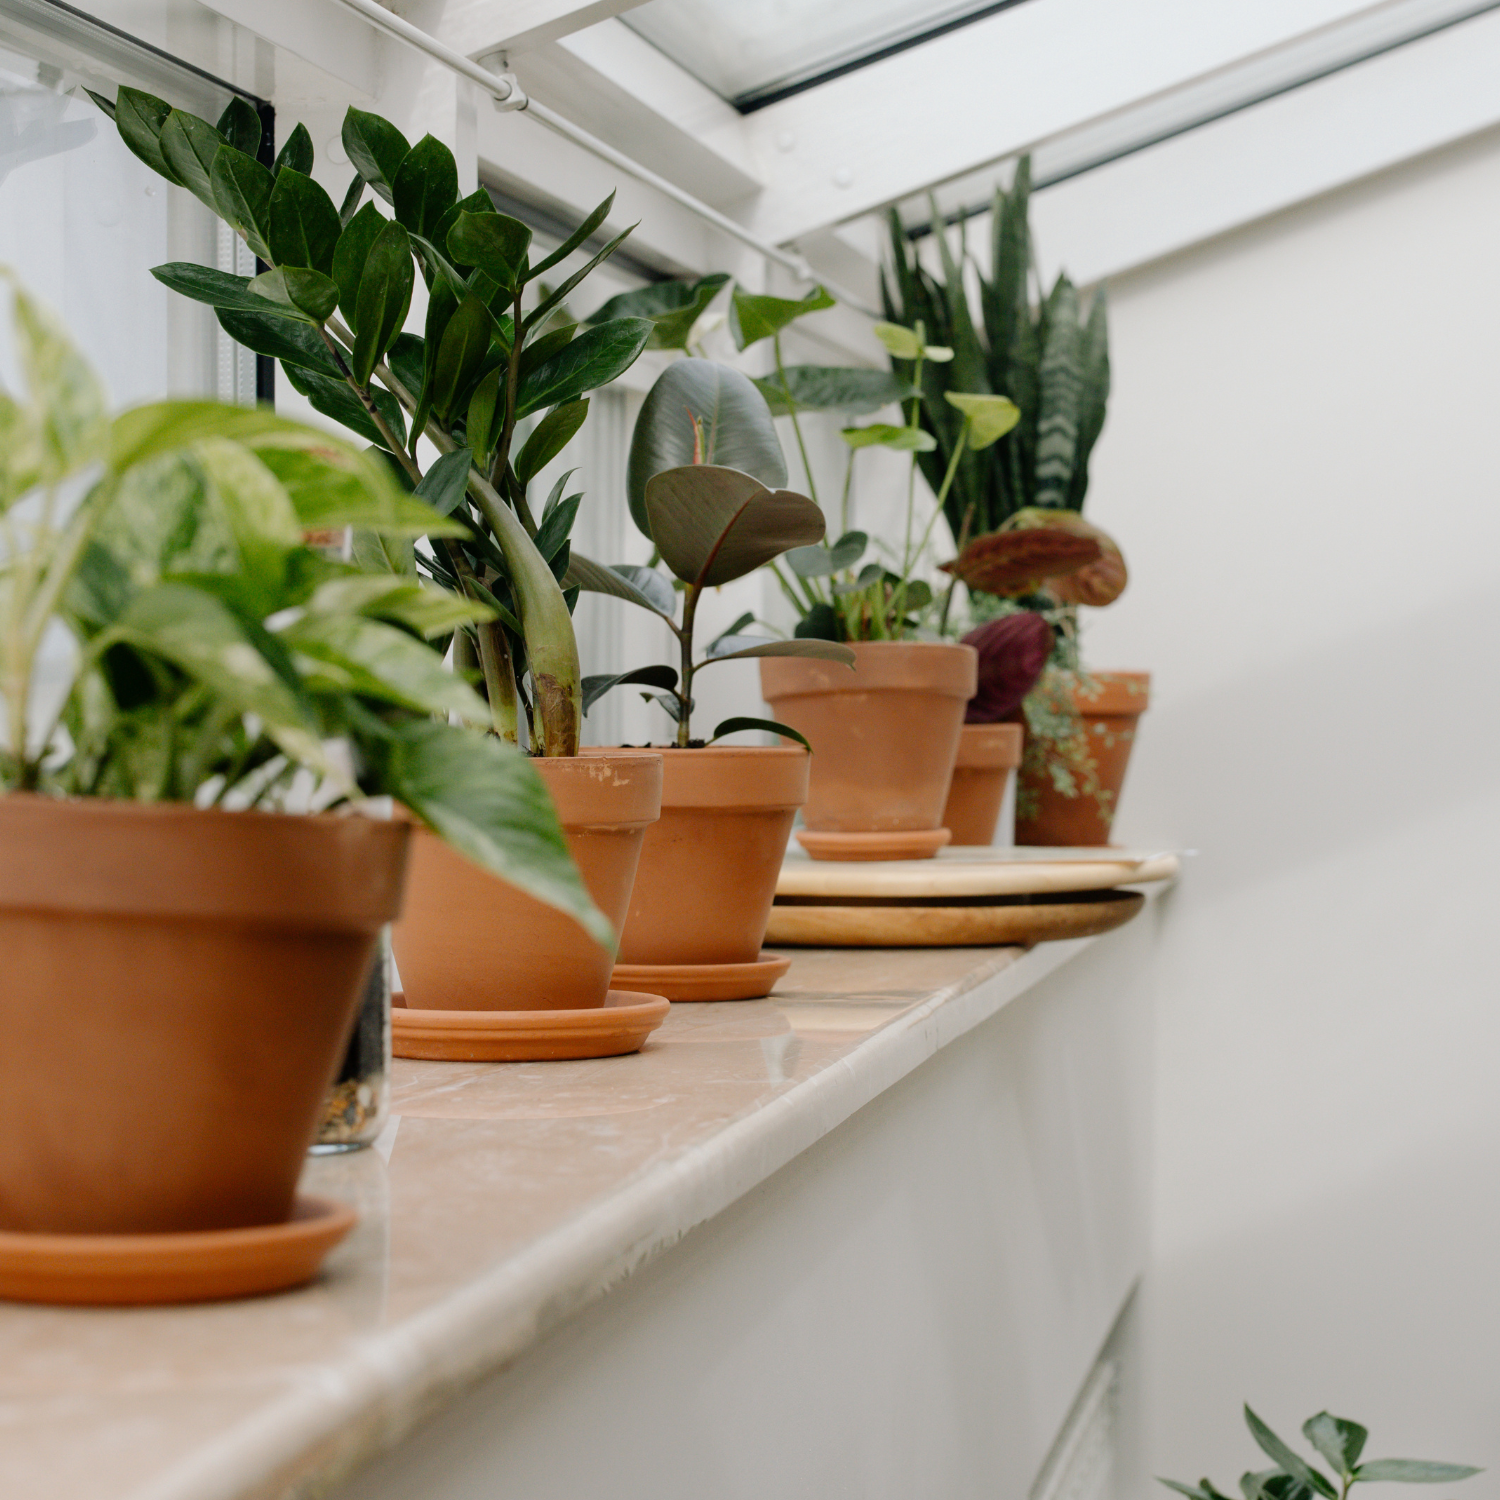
(496, 1171)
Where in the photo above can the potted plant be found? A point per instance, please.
(1341, 1443)
(1053, 361)
(496, 349)
(709, 867)
(182, 956)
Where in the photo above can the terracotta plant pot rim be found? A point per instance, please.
(612, 789)
(1117, 693)
(317, 872)
(730, 777)
(990, 747)
(947, 668)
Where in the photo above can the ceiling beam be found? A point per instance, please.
(475, 27)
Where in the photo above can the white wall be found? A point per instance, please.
(1301, 463)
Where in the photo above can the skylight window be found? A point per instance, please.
(753, 51)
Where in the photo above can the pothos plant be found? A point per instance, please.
(497, 347)
(1341, 1443)
(168, 635)
(703, 459)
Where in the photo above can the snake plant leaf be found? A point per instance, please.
(1006, 306)
(1014, 562)
(278, 338)
(240, 126)
(693, 398)
(139, 117)
(375, 148)
(1339, 1441)
(753, 318)
(970, 371)
(190, 145)
(349, 257)
(1273, 1447)
(385, 287)
(832, 388)
(887, 435)
(643, 587)
(1414, 1471)
(1095, 583)
(673, 307)
(594, 688)
(770, 726)
(739, 647)
(304, 224)
(240, 193)
(578, 237)
(486, 800)
(1060, 398)
(296, 154)
(1094, 395)
(548, 438)
(714, 525)
(491, 242)
(596, 357)
(425, 186)
(990, 417)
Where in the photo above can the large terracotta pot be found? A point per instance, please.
(987, 754)
(468, 940)
(884, 738)
(176, 989)
(708, 869)
(1094, 763)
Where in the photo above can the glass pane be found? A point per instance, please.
(745, 48)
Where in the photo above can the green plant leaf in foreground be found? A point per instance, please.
(832, 388)
(735, 725)
(753, 318)
(489, 803)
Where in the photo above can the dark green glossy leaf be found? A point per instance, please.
(737, 648)
(444, 484)
(555, 298)
(549, 437)
(314, 293)
(107, 105)
(220, 289)
(594, 688)
(538, 351)
(139, 118)
(279, 338)
(1413, 1471)
(240, 126)
(385, 286)
(820, 623)
(491, 242)
(733, 417)
(405, 359)
(375, 148)
(833, 388)
(735, 725)
(241, 196)
(486, 415)
(594, 358)
(296, 153)
(556, 526)
(672, 306)
(334, 399)
(478, 202)
(304, 223)
(190, 145)
(574, 240)
(352, 194)
(753, 318)
(461, 353)
(425, 186)
(350, 254)
(644, 587)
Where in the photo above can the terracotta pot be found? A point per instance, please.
(1095, 761)
(708, 869)
(987, 754)
(468, 940)
(884, 737)
(176, 991)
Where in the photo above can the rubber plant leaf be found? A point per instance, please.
(738, 647)
(753, 318)
(736, 427)
(715, 524)
(594, 688)
(1014, 562)
(770, 726)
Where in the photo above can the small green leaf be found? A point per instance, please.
(444, 485)
(139, 117)
(304, 223)
(385, 287)
(595, 218)
(1340, 1442)
(375, 148)
(1273, 1447)
(1413, 1471)
(753, 318)
(352, 194)
(748, 618)
(596, 357)
(887, 435)
(350, 254)
(279, 338)
(594, 688)
(820, 623)
(904, 343)
(673, 307)
(311, 291)
(240, 126)
(832, 388)
(556, 525)
(220, 289)
(990, 417)
(485, 418)
(425, 186)
(461, 353)
(555, 297)
(190, 145)
(241, 196)
(493, 243)
(735, 725)
(548, 438)
(644, 587)
(296, 154)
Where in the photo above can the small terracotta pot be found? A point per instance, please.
(468, 940)
(1095, 761)
(987, 754)
(884, 739)
(176, 991)
(708, 869)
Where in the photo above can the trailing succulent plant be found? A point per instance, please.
(1341, 1443)
(704, 482)
(497, 347)
(168, 634)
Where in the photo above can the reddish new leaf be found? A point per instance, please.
(1015, 562)
(1012, 652)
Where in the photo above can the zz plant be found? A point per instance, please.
(1341, 1443)
(167, 634)
(332, 307)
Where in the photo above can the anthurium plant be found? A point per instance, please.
(704, 459)
(167, 634)
(1338, 1441)
(497, 347)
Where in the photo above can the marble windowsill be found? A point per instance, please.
(512, 1195)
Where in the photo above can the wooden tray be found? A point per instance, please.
(972, 872)
(956, 923)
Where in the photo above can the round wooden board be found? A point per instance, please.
(989, 924)
(984, 873)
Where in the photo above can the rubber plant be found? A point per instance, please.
(497, 347)
(169, 635)
(1341, 1443)
(704, 484)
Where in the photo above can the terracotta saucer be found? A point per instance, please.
(198, 1266)
(750, 981)
(919, 843)
(620, 1025)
